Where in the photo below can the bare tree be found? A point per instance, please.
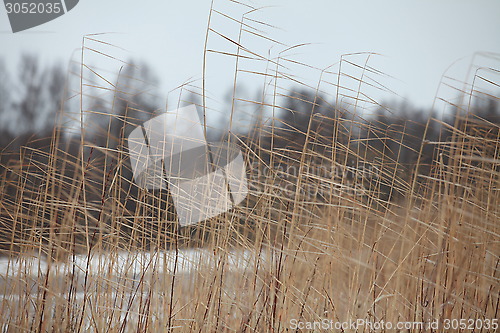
(4, 102)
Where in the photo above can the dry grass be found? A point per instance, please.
(85, 250)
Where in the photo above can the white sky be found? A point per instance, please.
(419, 39)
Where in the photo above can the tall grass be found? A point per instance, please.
(332, 228)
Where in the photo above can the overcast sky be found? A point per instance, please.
(419, 39)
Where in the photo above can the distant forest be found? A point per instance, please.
(33, 98)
